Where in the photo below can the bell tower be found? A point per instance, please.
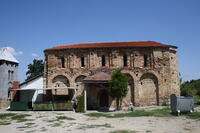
(8, 74)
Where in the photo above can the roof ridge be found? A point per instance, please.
(111, 44)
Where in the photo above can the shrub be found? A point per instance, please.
(80, 104)
(118, 86)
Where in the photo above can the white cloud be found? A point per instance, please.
(35, 55)
(13, 51)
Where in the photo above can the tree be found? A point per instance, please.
(118, 86)
(35, 69)
(190, 88)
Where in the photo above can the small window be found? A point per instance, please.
(63, 62)
(145, 60)
(125, 60)
(9, 74)
(103, 60)
(12, 75)
(82, 62)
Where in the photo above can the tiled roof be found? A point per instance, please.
(96, 78)
(7, 56)
(111, 45)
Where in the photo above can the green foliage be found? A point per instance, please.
(118, 86)
(35, 69)
(197, 100)
(80, 104)
(190, 88)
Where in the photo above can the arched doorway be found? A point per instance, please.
(103, 98)
(149, 90)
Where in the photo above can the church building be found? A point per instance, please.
(151, 69)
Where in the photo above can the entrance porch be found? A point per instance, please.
(96, 92)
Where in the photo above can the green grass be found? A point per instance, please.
(21, 117)
(4, 123)
(165, 112)
(64, 118)
(27, 125)
(138, 113)
(16, 117)
(194, 115)
(106, 125)
(59, 118)
(123, 131)
(6, 115)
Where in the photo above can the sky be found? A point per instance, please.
(31, 26)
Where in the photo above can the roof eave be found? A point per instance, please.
(52, 49)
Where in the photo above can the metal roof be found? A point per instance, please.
(7, 56)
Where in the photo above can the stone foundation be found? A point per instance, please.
(4, 104)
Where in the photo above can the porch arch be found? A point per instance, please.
(60, 81)
(149, 90)
(79, 84)
(131, 87)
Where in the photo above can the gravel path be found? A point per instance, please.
(57, 122)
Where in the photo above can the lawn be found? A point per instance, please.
(165, 112)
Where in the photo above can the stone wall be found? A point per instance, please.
(151, 84)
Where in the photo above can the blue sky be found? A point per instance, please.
(30, 26)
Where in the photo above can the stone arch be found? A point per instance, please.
(60, 81)
(131, 87)
(79, 78)
(149, 89)
(79, 84)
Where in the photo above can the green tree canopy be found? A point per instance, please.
(118, 86)
(34, 69)
(190, 88)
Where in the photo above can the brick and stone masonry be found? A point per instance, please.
(151, 68)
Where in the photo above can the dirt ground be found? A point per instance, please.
(47, 122)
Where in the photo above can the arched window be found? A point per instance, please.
(9, 74)
(12, 75)
(125, 60)
(145, 60)
(63, 62)
(103, 60)
(82, 61)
